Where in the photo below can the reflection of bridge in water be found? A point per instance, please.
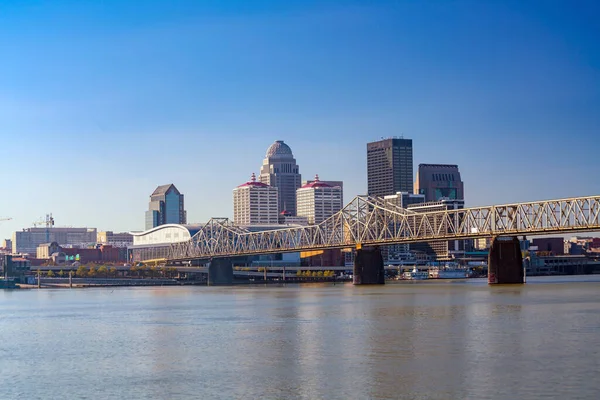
(368, 222)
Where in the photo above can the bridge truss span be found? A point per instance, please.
(370, 221)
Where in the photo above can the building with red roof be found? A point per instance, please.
(255, 203)
(318, 200)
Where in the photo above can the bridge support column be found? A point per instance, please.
(368, 267)
(220, 272)
(505, 262)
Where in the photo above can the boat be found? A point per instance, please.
(415, 275)
(448, 271)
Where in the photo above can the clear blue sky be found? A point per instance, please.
(101, 101)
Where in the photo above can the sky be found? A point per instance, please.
(102, 101)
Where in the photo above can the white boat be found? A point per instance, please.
(448, 271)
(415, 275)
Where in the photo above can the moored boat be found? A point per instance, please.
(415, 275)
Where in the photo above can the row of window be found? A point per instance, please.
(442, 177)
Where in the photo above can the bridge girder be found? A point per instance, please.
(374, 221)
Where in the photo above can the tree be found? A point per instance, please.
(164, 270)
(299, 272)
(113, 272)
(50, 274)
(103, 271)
(61, 273)
(81, 271)
(92, 272)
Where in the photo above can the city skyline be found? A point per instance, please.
(511, 97)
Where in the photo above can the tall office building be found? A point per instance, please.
(439, 181)
(166, 207)
(279, 169)
(318, 201)
(389, 167)
(255, 203)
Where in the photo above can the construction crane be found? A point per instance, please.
(49, 222)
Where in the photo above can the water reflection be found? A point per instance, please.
(434, 340)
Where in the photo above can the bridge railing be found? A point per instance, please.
(374, 221)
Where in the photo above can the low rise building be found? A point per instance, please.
(121, 239)
(27, 240)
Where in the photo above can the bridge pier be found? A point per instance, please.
(220, 272)
(505, 261)
(368, 267)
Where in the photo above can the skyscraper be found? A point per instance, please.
(439, 181)
(339, 184)
(166, 207)
(279, 169)
(389, 167)
(318, 201)
(255, 203)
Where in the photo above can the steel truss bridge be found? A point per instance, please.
(372, 221)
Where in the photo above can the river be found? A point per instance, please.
(408, 340)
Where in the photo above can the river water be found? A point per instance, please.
(409, 340)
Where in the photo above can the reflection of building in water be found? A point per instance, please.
(437, 181)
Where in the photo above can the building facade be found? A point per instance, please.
(166, 207)
(318, 201)
(255, 203)
(27, 240)
(279, 169)
(339, 184)
(389, 167)
(405, 199)
(438, 181)
(122, 239)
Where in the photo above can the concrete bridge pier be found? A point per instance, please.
(368, 267)
(220, 272)
(505, 262)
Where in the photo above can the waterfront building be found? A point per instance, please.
(156, 242)
(255, 203)
(389, 166)
(318, 201)
(549, 246)
(122, 239)
(444, 249)
(279, 169)
(27, 240)
(165, 207)
(437, 181)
